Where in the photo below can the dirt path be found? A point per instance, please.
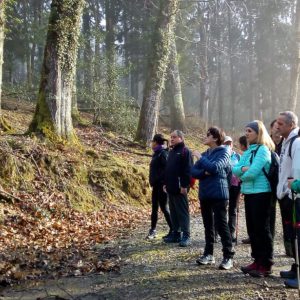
(154, 270)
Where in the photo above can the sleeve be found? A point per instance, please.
(262, 156)
(197, 172)
(186, 170)
(163, 162)
(237, 169)
(296, 159)
(214, 167)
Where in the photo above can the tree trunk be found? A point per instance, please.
(53, 111)
(295, 68)
(203, 61)
(2, 22)
(177, 116)
(232, 78)
(251, 64)
(157, 70)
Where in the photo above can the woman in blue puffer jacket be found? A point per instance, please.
(212, 169)
(257, 194)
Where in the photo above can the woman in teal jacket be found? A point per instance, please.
(257, 195)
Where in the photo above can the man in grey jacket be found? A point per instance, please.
(287, 123)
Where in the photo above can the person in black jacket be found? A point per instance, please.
(156, 179)
(177, 181)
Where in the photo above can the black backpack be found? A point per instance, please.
(272, 175)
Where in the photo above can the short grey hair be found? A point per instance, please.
(290, 117)
(179, 133)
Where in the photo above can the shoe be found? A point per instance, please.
(185, 241)
(292, 283)
(226, 264)
(173, 238)
(246, 241)
(249, 268)
(234, 240)
(151, 235)
(292, 273)
(260, 271)
(205, 260)
(167, 235)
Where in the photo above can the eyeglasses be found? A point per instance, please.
(174, 136)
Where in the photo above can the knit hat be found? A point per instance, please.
(253, 125)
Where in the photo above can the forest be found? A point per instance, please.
(84, 86)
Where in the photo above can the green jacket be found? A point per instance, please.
(254, 180)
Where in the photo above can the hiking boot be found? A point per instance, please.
(249, 268)
(226, 264)
(260, 271)
(246, 241)
(151, 235)
(173, 238)
(205, 260)
(292, 283)
(292, 273)
(185, 241)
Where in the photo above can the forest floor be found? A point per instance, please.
(155, 270)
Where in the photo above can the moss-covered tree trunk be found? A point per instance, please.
(2, 21)
(295, 69)
(157, 70)
(177, 116)
(54, 106)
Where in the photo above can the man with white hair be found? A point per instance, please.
(287, 124)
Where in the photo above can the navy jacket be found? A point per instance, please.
(178, 169)
(157, 167)
(217, 163)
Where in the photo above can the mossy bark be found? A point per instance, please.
(2, 22)
(177, 116)
(157, 70)
(52, 117)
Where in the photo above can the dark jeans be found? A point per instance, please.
(286, 209)
(273, 216)
(180, 216)
(159, 199)
(214, 214)
(258, 210)
(234, 196)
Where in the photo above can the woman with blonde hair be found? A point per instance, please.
(257, 193)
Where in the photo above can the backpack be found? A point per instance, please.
(192, 179)
(272, 175)
(291, 144)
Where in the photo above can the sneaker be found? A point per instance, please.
(185, 241)
(249, 268)
(246, 241)
(226, 264)
(292, 283)
(167, 235)
(260, 271)
(205, 260)
(151, 235)
(292, 273)
(173, 238)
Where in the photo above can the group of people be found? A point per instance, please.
(223, 174)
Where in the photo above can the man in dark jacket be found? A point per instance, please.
(177, 181)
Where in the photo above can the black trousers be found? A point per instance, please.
(214, 215)
(286, 210)
(258, 210)
(159, 199)
(234, 196)
(180, 216)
